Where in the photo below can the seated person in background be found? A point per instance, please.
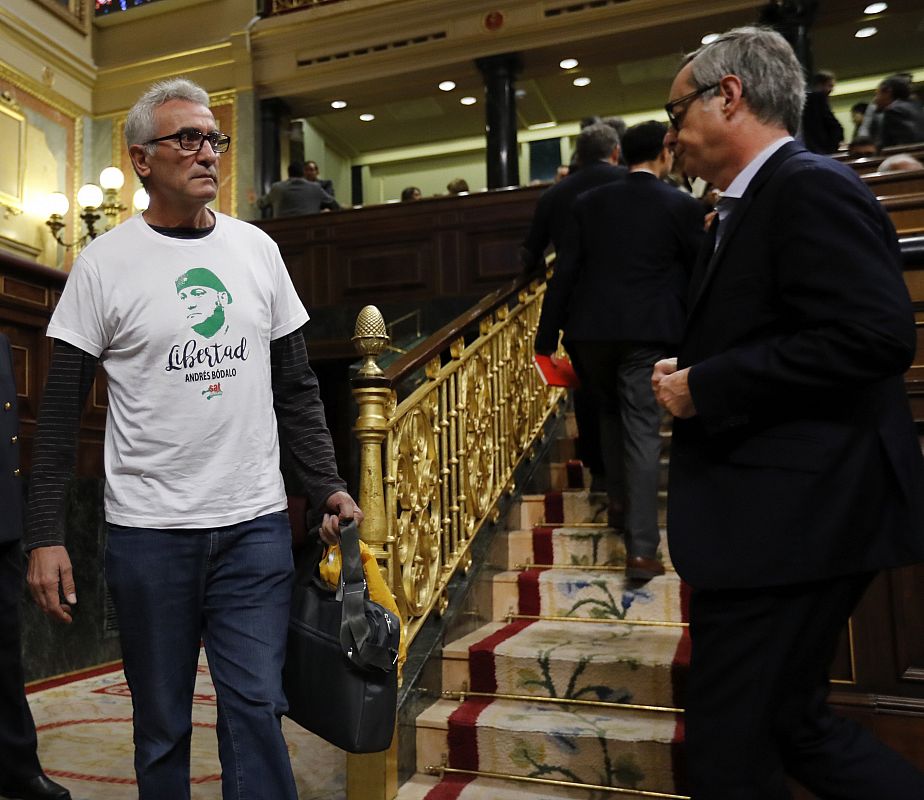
(297, 195)
(902, 118)
(457, 186)
(862, 147)
(899, 163)
(410, 194)
(311, 174)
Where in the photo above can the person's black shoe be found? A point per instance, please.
(41, 787)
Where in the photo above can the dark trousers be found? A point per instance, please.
(18, 759)
(757, 699)
(618, 375)
(230, 587)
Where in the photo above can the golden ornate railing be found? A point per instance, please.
(434, 465)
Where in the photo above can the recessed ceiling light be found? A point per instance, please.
(367, 117)
(447, 86)
(709, 38)
(538, 126)
(875, 8)
(865, 33)
(568, 63)
(338, 104)
(582, 81)
(468, 101)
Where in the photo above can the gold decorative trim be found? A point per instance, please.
(163, 59)
(148, 79)
(39, 92)
(74, 14)
(36, 41)
(11, 194)
(443, 769)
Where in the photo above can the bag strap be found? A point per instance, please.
(354, 625)
(354, 628)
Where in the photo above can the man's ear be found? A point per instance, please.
(732, 92)
(614, 155)
(139, 156)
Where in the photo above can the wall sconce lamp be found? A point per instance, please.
(92, 200)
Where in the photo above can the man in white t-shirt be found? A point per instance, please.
(199, 546)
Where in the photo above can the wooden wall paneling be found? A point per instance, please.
(398, 268)
(907, 595)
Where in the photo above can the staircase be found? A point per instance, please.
(572, 691)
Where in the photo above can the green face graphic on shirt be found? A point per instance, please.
(204, 298)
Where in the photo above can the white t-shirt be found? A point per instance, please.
(183, 329)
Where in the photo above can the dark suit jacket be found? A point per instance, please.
(625, 276)
(902, 123)
(296, 196)
(821, 131)
(553, 211)
(802, 462)
(10, 483)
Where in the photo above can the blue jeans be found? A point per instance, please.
(230, 588)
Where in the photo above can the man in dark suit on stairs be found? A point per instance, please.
(796, 473)
(21, 775)
(618, 293)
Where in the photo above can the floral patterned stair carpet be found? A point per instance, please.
(604, 657)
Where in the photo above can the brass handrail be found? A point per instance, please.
(434, 465)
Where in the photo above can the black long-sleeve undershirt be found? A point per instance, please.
(296, 401)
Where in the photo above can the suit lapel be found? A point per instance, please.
(733, 221)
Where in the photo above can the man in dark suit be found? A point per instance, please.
(795, 470)
(618, 293)
(21, 774)
(902, 120)
(597, 153)
(297, 196)
(821, 132)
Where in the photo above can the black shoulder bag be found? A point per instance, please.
(340, 675)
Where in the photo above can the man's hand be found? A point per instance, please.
(50, 575)
(671, 388)
(343, 507)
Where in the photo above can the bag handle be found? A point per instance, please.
(354, 628)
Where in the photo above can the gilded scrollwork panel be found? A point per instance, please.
(418, 503)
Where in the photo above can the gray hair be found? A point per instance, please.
(139, 124)
(772, 81)
(595, 143)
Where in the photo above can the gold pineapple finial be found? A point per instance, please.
(370, 338)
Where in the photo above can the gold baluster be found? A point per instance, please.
(373, 776)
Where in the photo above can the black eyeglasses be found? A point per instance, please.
(192, 139)
(677, 119)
